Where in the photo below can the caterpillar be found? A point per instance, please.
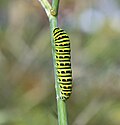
(63, 62)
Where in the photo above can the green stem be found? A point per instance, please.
(55, 5)
(46, 5)
(61, 105)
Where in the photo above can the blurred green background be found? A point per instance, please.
(27, 93)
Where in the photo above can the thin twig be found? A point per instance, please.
(46, 5)
(52, 13)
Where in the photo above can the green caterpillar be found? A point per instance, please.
(63, 62)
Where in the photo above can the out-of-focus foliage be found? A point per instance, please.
(27, 91)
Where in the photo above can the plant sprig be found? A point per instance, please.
(52, 13)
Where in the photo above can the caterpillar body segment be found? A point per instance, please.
(63, 62)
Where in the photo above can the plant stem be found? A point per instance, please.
(46, 5)
(61, 105)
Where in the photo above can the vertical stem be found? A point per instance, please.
(55, 5)
(61, 105)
